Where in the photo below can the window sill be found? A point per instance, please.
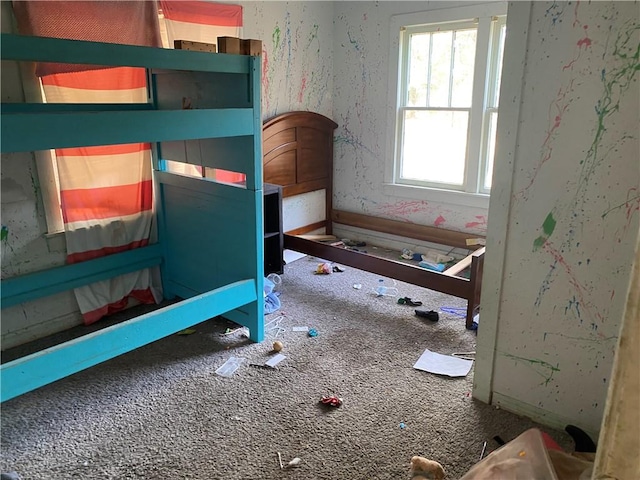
(476, 200)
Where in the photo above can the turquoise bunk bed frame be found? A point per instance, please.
(210, 235)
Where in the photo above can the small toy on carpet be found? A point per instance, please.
(425, 469)
(331, 400)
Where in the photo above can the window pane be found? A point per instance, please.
(464, 45)
(491, 149)
(440, 71)
(418, 70)
(496, 86)
(434, 146)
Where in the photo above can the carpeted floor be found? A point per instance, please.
(161, 412)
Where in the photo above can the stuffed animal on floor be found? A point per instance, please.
(424, 469)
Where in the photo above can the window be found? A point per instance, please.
(446, 98)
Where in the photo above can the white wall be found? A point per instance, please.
(361, 106)
(569, 214)
(297, 75)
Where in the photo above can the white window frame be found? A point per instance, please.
(473, 193)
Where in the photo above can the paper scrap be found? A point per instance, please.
(276, 359)
(300, 329)
(443, 364)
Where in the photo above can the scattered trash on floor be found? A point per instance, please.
(457, 311)
(300, 329)
(465, 355)
(324, 269)
(428, 314)
(313, 332)
(436, 267)
(402, 426)
(277, 346)
(357, 286)
(262, 365)
(331, 400)
(293, 463)
(353, 243)
(443, 364)
(408, 301)
(231, 331)
(271, 300)
(276, 280)
(280, 460)
(436, 257)
(275, 360)
(338, 268)
(229, 367)
(385, 288)
(187, 331)
(273, 327)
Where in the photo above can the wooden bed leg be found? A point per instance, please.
(475, 278)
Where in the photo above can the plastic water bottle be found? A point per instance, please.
(276, 280)
(383, 288)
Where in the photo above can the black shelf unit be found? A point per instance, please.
(273, 235)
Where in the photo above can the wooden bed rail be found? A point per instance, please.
(464, 263)
(405, 229)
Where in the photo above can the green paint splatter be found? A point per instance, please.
(313, 35)
(616, 82)
(4, 233)
(624, 204)
(275, 37)
(548, 226)
(542, 368)
(539, 242)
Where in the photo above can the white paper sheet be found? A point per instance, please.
(443, 364)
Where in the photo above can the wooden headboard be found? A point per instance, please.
(298, 155)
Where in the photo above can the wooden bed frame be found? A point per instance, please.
(298, 155)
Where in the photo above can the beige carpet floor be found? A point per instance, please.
(161, 412)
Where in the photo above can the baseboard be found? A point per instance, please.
(537, 414)
(40, 330)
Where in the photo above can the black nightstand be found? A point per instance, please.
(273, 235)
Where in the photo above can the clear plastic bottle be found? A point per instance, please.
(385, 288)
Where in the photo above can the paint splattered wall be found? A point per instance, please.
(361, 105)
(573, 218)
(297, 69)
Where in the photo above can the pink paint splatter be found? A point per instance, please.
(481, 222)
(302, 87)
(580, 290)
(560, 105)
(586, 41)
(400, 209)
(439, 221)
(265, 78)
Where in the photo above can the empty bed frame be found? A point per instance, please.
(298, 154)
(210, 247)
